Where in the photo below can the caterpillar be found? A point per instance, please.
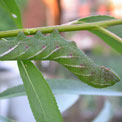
(55, 48)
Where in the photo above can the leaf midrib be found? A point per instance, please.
(45, 116)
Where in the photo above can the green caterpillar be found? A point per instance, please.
(56, 48)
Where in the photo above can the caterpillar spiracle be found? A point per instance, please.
(54, 47)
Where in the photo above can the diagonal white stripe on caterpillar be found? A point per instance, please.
(10, 50)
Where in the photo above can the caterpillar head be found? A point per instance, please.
(108, 76)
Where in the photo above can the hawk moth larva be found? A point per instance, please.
(56, 48)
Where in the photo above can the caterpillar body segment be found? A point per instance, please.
(56, 48)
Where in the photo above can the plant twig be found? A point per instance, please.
(62, 28)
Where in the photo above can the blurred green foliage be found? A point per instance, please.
(6, 23)
(21, 4)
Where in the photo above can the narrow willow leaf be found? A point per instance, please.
(56, 48)
(11, 7)
(4, 119)
(115, 43)
(13, 92)
(40, 97)
(63, 86)
(106, 113)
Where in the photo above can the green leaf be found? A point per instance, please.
(11, 7)
(40, 97)
(5, 20)
(105, 114)
(13, 92)
(63, 86)
(4, 119)
(115, 41)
